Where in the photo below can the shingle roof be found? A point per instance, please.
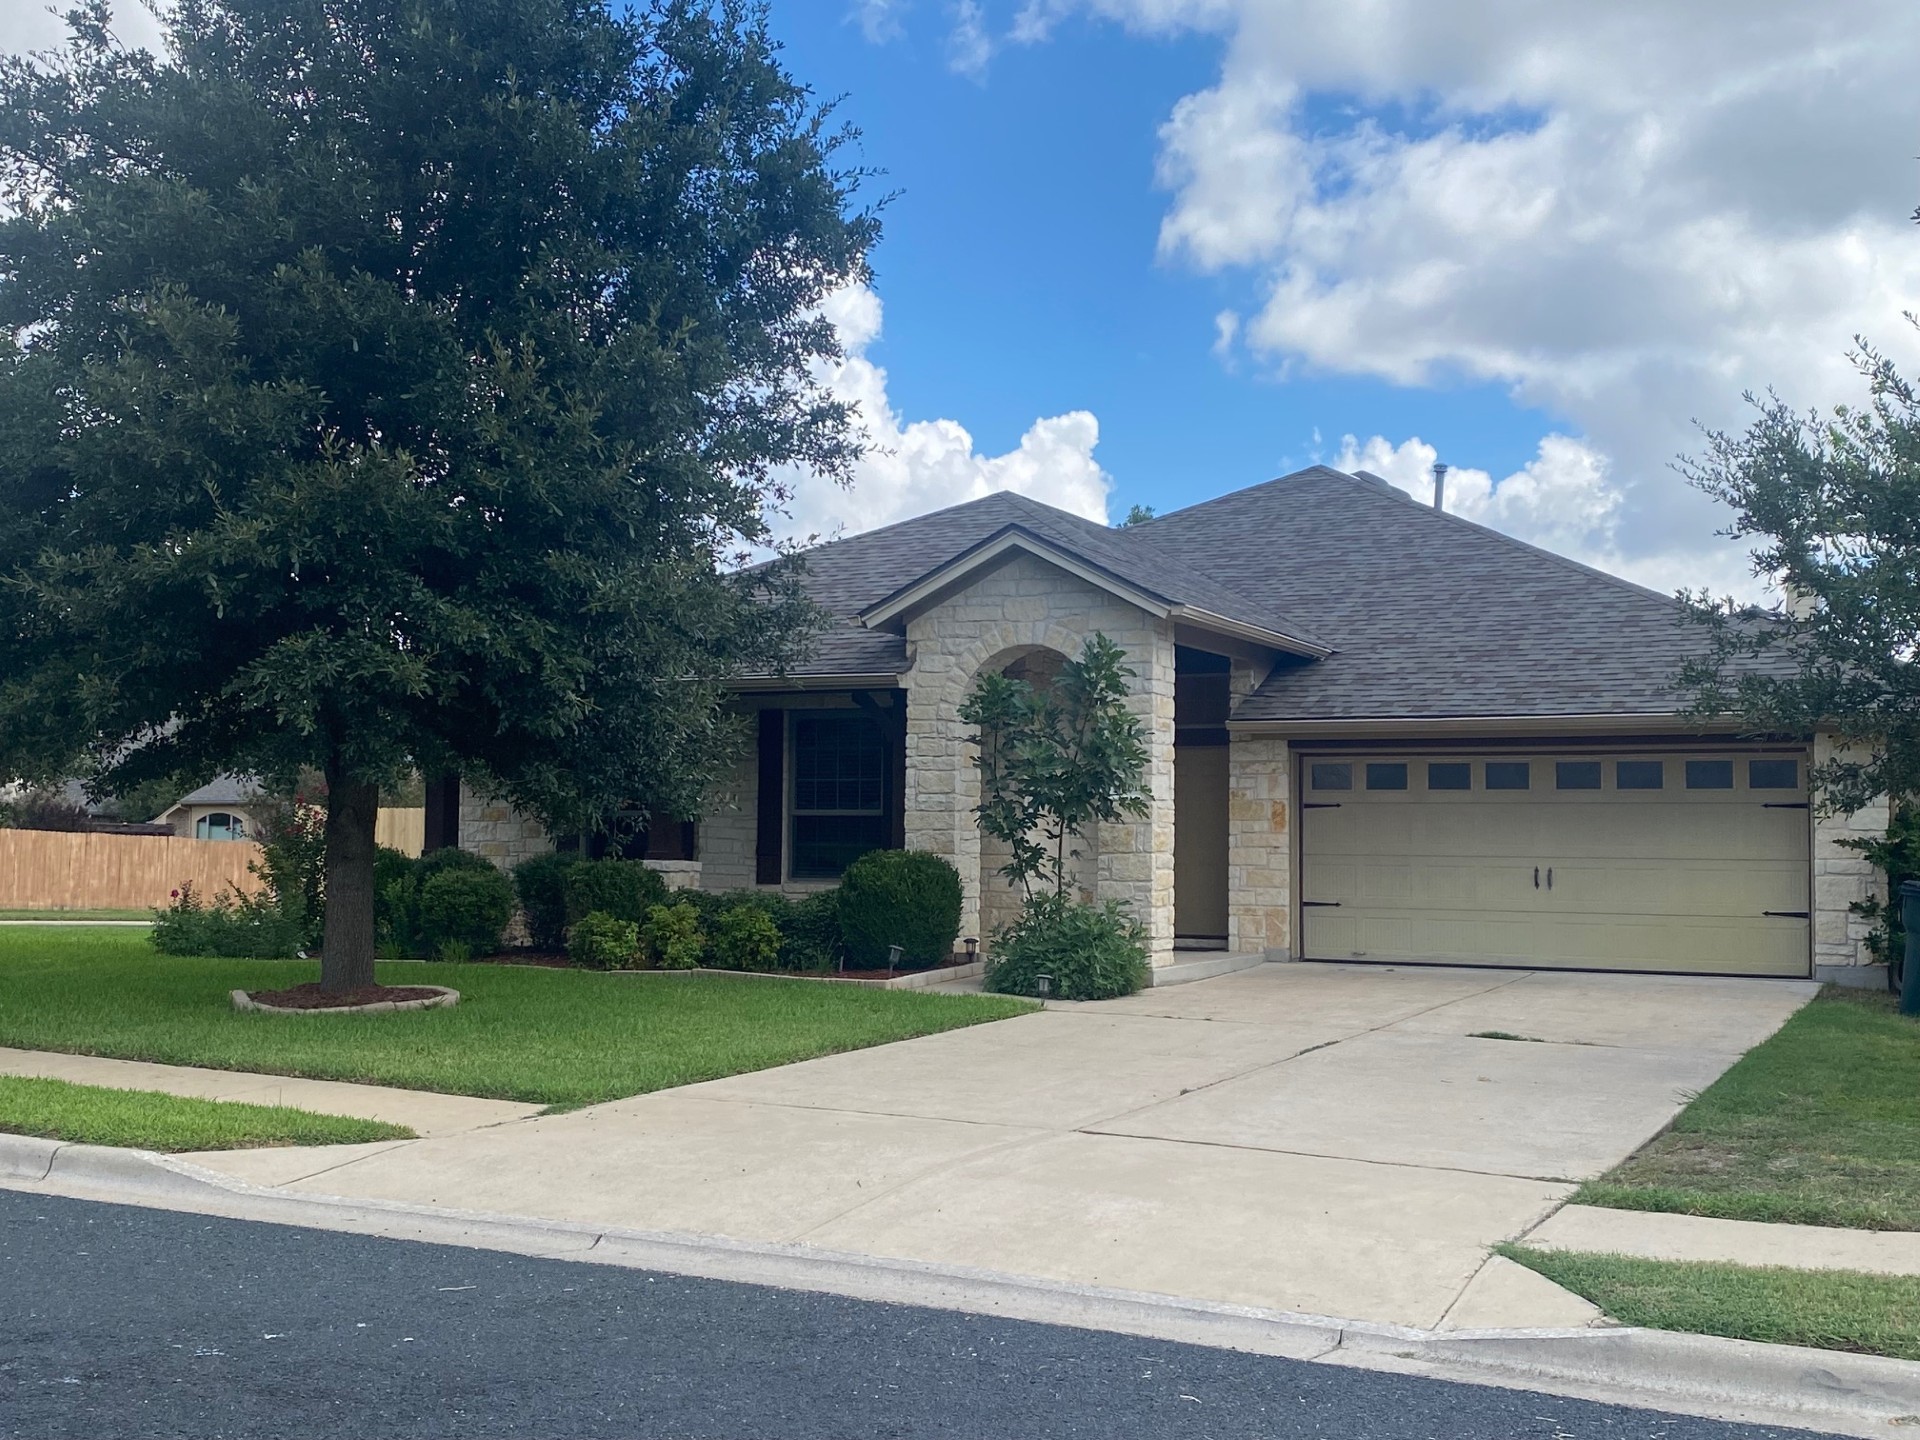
(222, 790)
(1428, 615)
(1432, 615)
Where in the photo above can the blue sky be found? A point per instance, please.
(1020, 276)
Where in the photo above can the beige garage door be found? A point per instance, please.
(1691, 862)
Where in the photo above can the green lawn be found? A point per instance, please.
(149, 1120)
(554, 1037)
(6, 915)
(1828, 1309)
(1820, 1125)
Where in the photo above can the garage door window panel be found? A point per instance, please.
(1639, 774)
(1509, 775)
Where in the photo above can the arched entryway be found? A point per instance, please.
(1000, 898)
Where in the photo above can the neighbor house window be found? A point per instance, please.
(218, 825)
(839, 792)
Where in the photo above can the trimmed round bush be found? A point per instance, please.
(907, 898)
(541, 884)
(463, 909)
(600, 942)
(811, 935)
(624, 889)
(1090, 952)
(672, 937)
(745, 938)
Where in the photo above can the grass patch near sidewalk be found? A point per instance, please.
(543, 1036)
(1815, 1126)
(1825, 1309)
(149, 1120)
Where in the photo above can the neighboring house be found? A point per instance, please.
(220, 810)
(1377, 732)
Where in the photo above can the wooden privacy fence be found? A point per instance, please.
(404, 829)
(63, 870)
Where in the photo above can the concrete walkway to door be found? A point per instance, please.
(1331, 1139)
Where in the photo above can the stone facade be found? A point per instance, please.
(494, 829)
(1260, 846)
(1842, 876)
(1024, 606)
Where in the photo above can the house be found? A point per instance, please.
(218, 810)
(1378, 732)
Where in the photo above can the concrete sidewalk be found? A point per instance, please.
(424, 1112)
(1338, 1140)
(1652, 1236)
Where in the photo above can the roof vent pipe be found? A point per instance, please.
(1439, 485)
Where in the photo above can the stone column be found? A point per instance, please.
(1259, 845)
(1842, 875)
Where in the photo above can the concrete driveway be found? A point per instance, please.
(1342, 1140)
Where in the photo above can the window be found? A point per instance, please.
(219, 825)
(839, 792)
(1389, 776)
(1576, 775)
(1773, 774)
(1332, 777)
(1509, 775)
(1639, 774)
(1709, 774)
(1449, 775)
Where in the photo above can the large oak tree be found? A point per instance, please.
(387, 385)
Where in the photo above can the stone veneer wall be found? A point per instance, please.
(1026, 605)
(1842, 876)
(494, 829)
(1259, 845)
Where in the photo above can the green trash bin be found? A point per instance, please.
(1910, 964)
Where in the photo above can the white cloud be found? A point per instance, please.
(920, 465)
(879, 20)
(969, 47)
(26, 25)
(1627, 214)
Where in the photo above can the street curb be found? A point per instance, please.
(1804, 1386)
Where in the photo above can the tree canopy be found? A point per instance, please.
(1833, 506)
(388, 385)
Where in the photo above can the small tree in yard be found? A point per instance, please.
(1056, 758)
(1834, 506)
(389, 385)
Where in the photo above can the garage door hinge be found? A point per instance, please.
(1783, 805)
(1787, 914)
(1320, 904)
(1320, 805)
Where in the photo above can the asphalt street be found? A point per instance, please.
(122, 1322)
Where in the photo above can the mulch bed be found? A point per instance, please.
(311, 997)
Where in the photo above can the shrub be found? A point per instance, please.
(233, 926)
(907, 898)
(671, 936)
(293, 859)
(624, 889)
(1092, 952)
(810, 938)
(600, 942)
(746, 938)
(460, 907)
(541, 884)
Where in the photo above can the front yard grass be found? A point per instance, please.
(554, 1037)
(1819, 1125)
(6, 915)
(1826, 1309)
(149, 1120)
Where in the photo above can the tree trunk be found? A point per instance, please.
(346, 949)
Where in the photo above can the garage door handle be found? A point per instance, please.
(1549, 877)
(1320, 904)
(1787, 914)
(1536, 877)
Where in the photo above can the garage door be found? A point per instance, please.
(1694, 862)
